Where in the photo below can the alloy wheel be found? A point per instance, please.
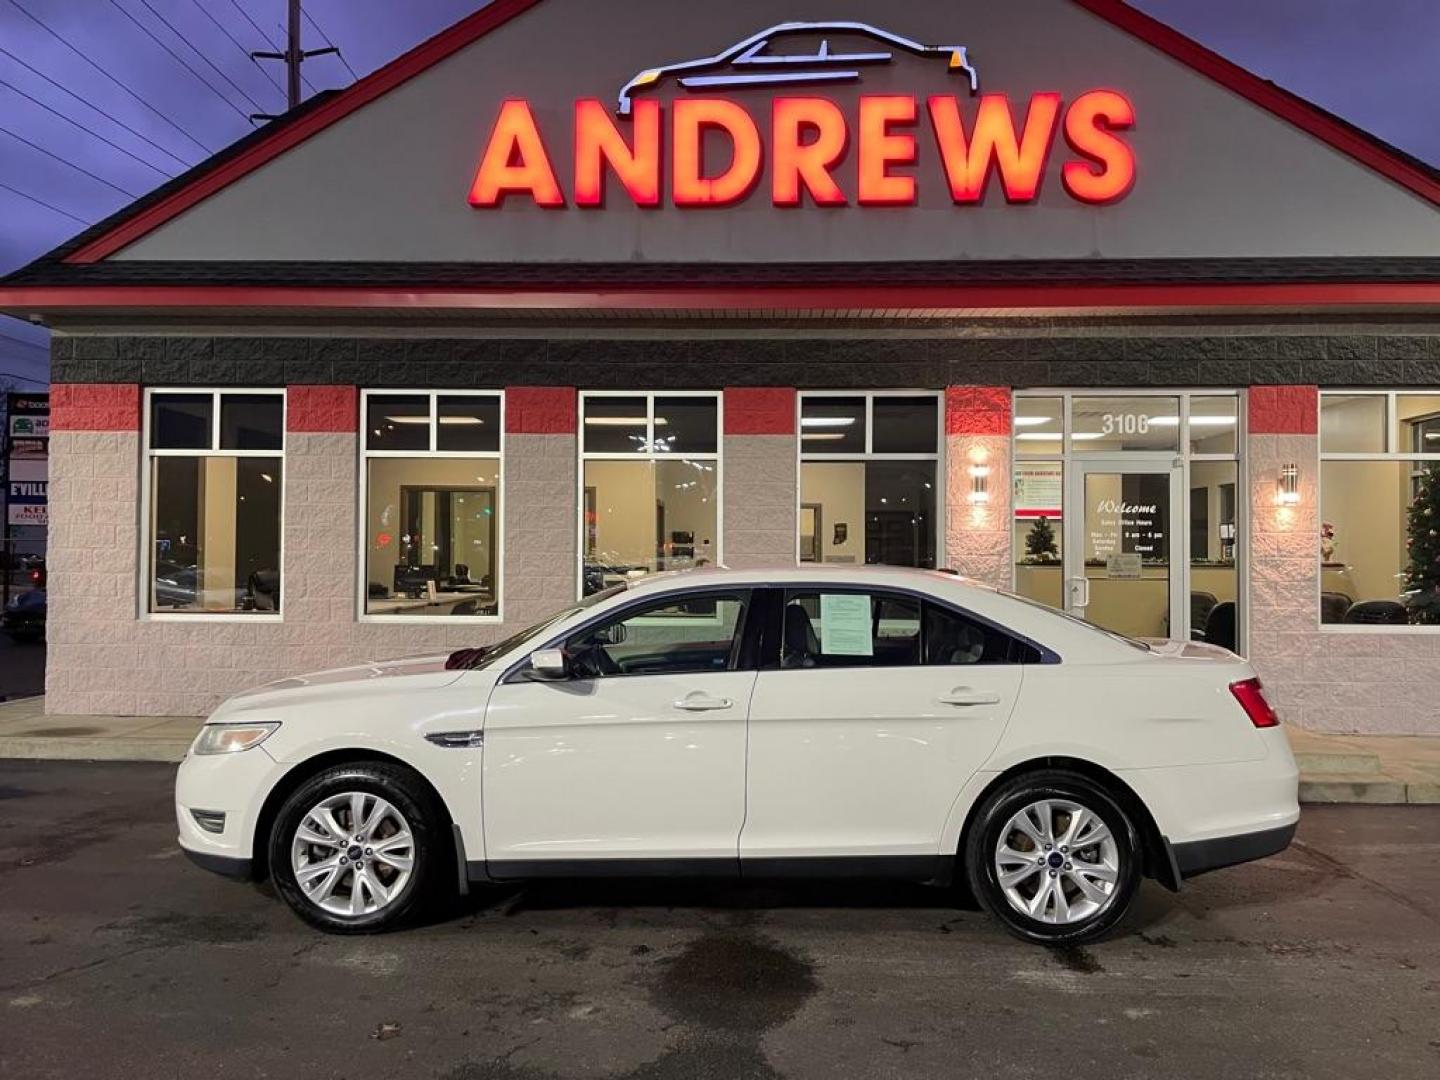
(1057, 862)
(352, 854)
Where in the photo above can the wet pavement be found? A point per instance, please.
(119, 959)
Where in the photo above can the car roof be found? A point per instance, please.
(879, 576)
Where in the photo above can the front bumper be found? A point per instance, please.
(229, 866)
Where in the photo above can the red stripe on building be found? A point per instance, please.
(322, 409)
(95, 407)
(760, 410)
(978, 410)
(541, 410)
(1284, 410)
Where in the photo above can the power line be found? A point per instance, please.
(236, 42)
(178, 58)
(328, 41)
(83, 56)
(42, 202)
(265, 38)
(22, 341)
(22, 378)
(200, 53)
(66, 161)
(88, 130)
(91, 105)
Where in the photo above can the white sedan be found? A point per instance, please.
(812, 722)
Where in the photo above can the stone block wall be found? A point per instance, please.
(761, 478)
(978, 534)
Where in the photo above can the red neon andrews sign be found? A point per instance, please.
(809, 138)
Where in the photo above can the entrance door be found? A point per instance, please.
(1123, 546)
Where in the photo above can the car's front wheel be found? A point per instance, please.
(356, 848)
(1054, 857)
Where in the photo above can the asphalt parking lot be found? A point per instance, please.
(118, 959)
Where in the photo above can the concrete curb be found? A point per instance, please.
(41, 748)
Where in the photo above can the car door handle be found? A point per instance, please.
(965, 697)
(703, 703)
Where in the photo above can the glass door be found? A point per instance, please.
(1123, 546)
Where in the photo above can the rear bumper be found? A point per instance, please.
(1201, 856)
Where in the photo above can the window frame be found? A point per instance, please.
(1395, 454)
(869, 454)
(362, 496)
(149, 454)
(649, 455)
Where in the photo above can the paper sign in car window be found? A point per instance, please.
(845, 625)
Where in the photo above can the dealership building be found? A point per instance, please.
(577, 292)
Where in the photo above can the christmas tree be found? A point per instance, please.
(1422, 575)
(1040, 542)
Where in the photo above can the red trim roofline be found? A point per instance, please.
(1266, 95)
(1076, 297)
(469, 30)
(381, 81)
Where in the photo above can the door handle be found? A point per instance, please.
(703, 703)
(964, 696)
(1080, 592)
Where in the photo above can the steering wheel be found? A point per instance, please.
(592, 661)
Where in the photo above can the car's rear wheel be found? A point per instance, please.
(356, 848)
(1054, 857)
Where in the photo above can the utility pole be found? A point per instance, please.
(294, 55)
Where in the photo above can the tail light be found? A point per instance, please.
(1251, 696)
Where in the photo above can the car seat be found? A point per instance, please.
(801, 646)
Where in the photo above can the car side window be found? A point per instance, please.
(953, 639)
(674, 636)
(824, 629)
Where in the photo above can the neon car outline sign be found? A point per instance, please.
(776, 69)
(804, 142)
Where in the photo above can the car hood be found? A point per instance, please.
(412, 673)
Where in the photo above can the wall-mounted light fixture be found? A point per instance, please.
(979, 484)
(1287, 487)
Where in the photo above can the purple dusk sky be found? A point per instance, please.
(1371, 61)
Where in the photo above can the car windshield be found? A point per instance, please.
(1134, 643)
(475, 659)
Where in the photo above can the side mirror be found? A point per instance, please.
(549, 665)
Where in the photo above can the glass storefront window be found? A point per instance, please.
(1214, 425)
(1380, 510)
(869, 479)
(834, 425)
(1039, 425)
(1107, 424)
(1353, 423)
(215, 502)
(432, 505)
(1039, 540)
(649, 504)
(1214, 571)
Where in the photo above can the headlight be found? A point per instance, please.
(231, 738)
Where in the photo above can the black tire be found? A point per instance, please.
(432, 858)
(984, 836)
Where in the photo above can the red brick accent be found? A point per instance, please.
(323, 409)
(95, 407)
(760, 410)
(1284, 410)
(541, 410)
(978, 410)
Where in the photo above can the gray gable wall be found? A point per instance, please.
(1218, 176)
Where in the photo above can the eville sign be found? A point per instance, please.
(808, 139)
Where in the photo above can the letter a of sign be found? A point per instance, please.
(515, 162)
